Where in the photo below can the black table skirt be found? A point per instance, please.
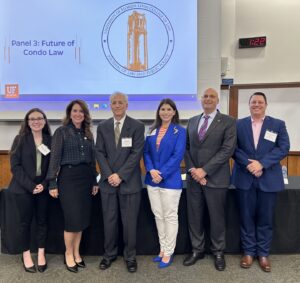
(286, 237)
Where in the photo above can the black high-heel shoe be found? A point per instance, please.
(81, 264)
(31, 269)
(42, 268)
(71, 268)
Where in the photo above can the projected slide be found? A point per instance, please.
(54, 51)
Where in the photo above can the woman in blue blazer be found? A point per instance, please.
(29, 160)
(163, 152)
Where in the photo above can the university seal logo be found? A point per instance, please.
(138, 39)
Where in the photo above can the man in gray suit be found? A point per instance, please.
(119, 147)
(211, 140)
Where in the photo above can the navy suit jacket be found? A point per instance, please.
(167, 158)
(268, 153)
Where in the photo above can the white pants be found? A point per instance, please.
(164, 205)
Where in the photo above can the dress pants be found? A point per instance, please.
(129, 205)
(164, 205)
(28, 206)
(215, 200)
(256, 220)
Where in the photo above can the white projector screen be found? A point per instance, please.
(54, 51)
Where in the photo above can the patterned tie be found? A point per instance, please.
(117, 132)
(203, 128)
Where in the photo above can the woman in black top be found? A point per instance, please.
(29, 160)
(72, 175)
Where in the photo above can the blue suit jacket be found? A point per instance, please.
(268, 153)
(167, 158)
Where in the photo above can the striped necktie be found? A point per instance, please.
(203, 128)
(117, 132)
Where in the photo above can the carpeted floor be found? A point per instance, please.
(285, 269)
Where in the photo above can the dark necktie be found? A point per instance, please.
(203, 128)
(117, 132)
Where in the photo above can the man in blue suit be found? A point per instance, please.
(262, 142)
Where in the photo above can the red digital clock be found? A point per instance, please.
(252, 42)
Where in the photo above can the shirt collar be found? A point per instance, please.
(212, 115)
(121, 121)
(260, 120)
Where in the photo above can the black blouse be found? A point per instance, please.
(70, 146)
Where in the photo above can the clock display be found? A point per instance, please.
(252, 42)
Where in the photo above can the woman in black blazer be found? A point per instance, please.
(29, 159)
(72, 177)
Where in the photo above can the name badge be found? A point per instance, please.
(43, 149)
(126, 142)
(270, 136)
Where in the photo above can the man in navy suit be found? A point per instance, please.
(262, 142)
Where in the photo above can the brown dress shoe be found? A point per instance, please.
(264, 263)
(246, 261)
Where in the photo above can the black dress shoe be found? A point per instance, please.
(31, 269)
(192, 258)
(106, 263)
(80, 264)
(73, 268)
(220, 263)
(131, 266)
(42, 268)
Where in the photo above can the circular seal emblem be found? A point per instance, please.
(138, 39)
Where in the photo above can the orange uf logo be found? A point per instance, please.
(11, 91)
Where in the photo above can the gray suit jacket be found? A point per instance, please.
(213, 152)
(125, 161)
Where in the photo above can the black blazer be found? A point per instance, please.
(125, 161)
(23, 164)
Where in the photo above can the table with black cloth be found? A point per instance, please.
(286, 237)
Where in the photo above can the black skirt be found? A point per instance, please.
(75, 185)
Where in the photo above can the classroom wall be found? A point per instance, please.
(278, 20)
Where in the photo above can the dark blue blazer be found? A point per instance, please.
(167, 158)
(268, 153)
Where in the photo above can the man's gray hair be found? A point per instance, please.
(118, 93)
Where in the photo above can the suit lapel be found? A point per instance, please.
(249, 132)
(46, 141)
(165, 138)
(264, 127)
(32, 149)
(194, 128)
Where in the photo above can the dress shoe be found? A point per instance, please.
(73, 268)
(220, 263)
(131, 266)
(106, 263)
(42, 268)
(31, 269)
(157, 259)
(80, 264)
(246, 261)
(264, 263)
(166, 264)
(192, 258)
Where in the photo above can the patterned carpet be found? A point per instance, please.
(285, 269)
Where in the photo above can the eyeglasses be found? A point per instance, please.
(211, 96)
(36, 119)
